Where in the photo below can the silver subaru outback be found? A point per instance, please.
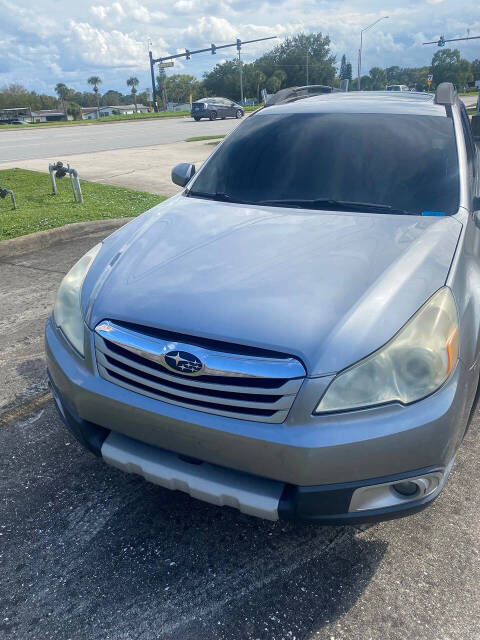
(296, 333)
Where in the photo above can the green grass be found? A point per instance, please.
(200, 138)
(89, 123)
(37, 209)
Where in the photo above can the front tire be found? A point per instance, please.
(213, 115)
(238, 114)
(196, 118)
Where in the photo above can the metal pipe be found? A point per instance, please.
(3, 194)
(74, 178)
(51, 169)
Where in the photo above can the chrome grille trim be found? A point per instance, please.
(240, 386)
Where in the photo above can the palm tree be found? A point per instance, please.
(133, 82)
(95, 81)
(62, 92)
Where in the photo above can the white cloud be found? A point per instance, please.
(39, 47)
(104, 48)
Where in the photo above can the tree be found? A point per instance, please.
(224, 80)
(161, 90)
(111, 98)
(95, 81)
(180, 86)
(74, 110)
(475, 67)
(259, 81)
(343, 67)
(378, 78)
(348, 71)
(448, 66)
(291, 56)
(133, 82)
(62, 92)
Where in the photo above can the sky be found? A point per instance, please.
(43, 42)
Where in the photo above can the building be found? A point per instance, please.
(91, 113)
(48, 115)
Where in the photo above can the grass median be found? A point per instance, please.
(37, 209)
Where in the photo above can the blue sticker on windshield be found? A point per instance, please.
(433, 213)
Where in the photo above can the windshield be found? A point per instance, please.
(404, 163)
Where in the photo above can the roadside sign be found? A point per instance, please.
(429, 77)
(165, 65)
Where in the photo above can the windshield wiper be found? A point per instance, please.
(336, 205)
(218, 195)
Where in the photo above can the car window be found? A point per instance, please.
(406, 162)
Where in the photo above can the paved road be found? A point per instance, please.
(60, 142)
(89, 552)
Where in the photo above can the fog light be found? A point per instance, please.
(391, 494)
(406, 488)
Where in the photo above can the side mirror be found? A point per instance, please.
(182, 173)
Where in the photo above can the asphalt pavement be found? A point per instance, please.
(63, 141)
(90, 552)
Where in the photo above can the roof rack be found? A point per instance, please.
(445, 93)
(298, 93)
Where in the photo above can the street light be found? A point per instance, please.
(361, 45)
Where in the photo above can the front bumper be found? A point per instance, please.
(306, 456)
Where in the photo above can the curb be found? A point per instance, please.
(43, 239)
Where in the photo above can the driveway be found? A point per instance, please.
(143, 168)
(90, 552)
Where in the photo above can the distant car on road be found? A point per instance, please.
(213, 108)
(397, 87)
(13, 122)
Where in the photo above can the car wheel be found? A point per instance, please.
(196, 118)
(213, 115)
(238, 113)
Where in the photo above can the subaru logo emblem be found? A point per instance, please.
(183, 362)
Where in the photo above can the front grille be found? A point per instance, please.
(229, 384)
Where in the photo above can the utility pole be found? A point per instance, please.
(212, 48)
(239, 46)
(154, 92)
(307, 68)
(359, 67)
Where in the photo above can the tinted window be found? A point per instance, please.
(408, 162)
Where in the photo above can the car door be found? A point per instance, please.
(222, 108)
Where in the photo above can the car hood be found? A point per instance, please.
(327, 287)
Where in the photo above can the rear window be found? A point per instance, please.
(407, 162)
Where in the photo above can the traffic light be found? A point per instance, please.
(214, 49)
(187, 54)
(239, 44)
(441, 42)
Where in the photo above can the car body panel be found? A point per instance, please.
(305, 450)
(298, 282)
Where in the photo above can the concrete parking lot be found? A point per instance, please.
(89, 552)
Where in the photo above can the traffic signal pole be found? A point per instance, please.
(441, 42)
(187, 55)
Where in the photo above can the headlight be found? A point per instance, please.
(67, 312)
(414, 364)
